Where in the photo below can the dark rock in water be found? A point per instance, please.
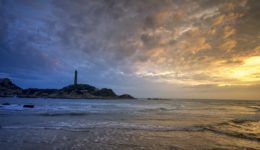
(7, 88)
(28, 106)
(6, 104)
(126, 96)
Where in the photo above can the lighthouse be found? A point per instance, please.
(76, 77)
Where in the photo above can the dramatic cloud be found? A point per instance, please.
(174, 47)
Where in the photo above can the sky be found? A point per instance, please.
(199, 49)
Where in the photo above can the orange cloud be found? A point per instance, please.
(218, 20)
(192, 53)
(248, 71)
(228, 45)
(229, 6)
(201, 44)
(161, 17)
(228, 31)
(212, 31)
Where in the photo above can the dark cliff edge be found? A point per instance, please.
(79, 91)
(7, 88)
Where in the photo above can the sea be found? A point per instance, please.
(140, 124)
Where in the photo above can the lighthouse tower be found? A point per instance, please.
(76, 77)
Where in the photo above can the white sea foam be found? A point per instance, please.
(11, 107)
(91, 122)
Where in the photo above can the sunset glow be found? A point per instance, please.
(130, 74)
(249, 70)
(178, 47)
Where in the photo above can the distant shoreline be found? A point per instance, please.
(148, 99)
(76, 91)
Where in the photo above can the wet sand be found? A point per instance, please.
(130, 124)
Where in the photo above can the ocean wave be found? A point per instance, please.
(253, 137)
(257, 108)
(238, 128)
(160, 109)
(53, 114)
(117, 126)
(12, 107)
(246, 129)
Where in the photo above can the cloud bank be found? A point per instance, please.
(166, 48)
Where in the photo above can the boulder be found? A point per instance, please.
(28, 106)
(6, 104)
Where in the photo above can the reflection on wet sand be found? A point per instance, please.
(138, 124)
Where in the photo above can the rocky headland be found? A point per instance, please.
(76, 91)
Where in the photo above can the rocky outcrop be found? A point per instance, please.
(34, 93)
(80, 88)
(105, 93)
(7, 88)
(125, 96)
(76, 91)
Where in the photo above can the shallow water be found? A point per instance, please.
(129, 124)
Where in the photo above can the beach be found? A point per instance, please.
(129, 124)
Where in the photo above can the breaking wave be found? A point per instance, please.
(63, 114)
(245, 129)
